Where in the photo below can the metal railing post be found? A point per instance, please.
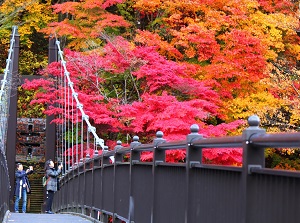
(159, 156)
(252, 158)
(193, 156)
(104, 162)
(134, 157)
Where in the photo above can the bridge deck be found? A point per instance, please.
(40, 218)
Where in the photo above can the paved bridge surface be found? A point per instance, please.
(41, 218)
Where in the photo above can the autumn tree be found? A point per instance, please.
(83, 22)
(30, 17)
(239, 47)
(237, 51)
(130, 90)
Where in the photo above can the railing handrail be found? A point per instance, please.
(276, 140)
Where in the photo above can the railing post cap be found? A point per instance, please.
(194, 133)
(135, 142)
(194, 128)
(159, 138)
(136, 138)
(159, 134)
(118, 146)
(253, 121)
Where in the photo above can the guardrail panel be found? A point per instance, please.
(88, 198)
(141, 190)
(108, 188)
(169, 194)
(122, 190)
(214, 196)
(273, 199)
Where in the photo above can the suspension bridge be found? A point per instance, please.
(106, 187)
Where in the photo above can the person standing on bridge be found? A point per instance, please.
(22, 186)
(51, 185)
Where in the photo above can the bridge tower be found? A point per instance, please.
(50, 131)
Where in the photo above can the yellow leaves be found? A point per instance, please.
(259, 103)
(147, 6)
(28, 15)
(252, 5)
(10, 6)
(29, 62)
(25, 109)
(273, 30)
(287, 151)
(295, 50)
(295, 113)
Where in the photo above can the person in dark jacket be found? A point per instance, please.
(51, 185)
(22, 186)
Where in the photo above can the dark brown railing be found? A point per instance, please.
(4, 186)
(7, 90)
(190, 192)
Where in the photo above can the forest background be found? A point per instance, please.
(142, 66)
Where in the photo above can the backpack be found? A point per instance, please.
(45, 180)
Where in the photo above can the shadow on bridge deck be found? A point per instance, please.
(40, 218)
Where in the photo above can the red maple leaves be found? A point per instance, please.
(132, 90)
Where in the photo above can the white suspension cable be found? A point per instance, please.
(77, 140)
(5, 91)
(85, 117)
(81, 148)
(68, 129)
(72, 127)
(61, 126)
(65, 124)
(8, 64)
(87, 155)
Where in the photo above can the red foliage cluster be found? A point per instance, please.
(165, 97)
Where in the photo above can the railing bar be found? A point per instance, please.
(276, 140)
(118, 163)
(217, 167)
(224, 142)
(274, 172)
(96, 209)
(217, 146)
(171, 164)
(171, 145)
(107, 212)
(108, 153)
(143, 163)
(145, 147)
(121, 218)
(123, 150)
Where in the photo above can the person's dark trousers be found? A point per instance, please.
(50, 195)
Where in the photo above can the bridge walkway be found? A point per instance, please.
(43, 218)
